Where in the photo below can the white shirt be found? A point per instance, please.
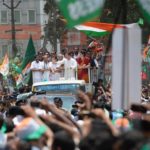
(54, 75)
(61, 62)
(46, 73)
(70, 68)
(36, 75)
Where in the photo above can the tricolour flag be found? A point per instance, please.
(97, 29)
(4, 67)
(21, 78)
(146, 50)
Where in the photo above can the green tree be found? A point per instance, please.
(55, 27)
(133, 13)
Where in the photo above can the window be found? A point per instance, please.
(17, 16)
(4, 17)
(31, 17)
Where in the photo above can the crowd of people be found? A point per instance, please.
(27, 123)
(69, 65)
(91, 124)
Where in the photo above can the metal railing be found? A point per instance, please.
(93, 74)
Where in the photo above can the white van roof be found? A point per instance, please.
(81, 82)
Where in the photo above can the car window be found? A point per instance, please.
(68, 101)
(58, 88)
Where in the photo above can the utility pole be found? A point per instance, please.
(12, 7)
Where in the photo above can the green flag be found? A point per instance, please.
(145, 8)
(30, 53)
(80, 11)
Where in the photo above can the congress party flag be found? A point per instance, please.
(4, 67)
(80, 11)
(97, 29)
(25, 73)
(145, 7)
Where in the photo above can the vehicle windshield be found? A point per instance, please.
(68, 101)
(59, 88)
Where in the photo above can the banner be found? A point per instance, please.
(79, 11)
(145, 7)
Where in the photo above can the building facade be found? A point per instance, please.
(29, 20)
(74, 39)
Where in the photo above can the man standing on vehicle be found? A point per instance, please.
(46, 68)
(36, 68)
(70, 67)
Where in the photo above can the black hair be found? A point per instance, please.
(9, 125)
(21, 90)
(74, 112)
(130, 140)
(57, 100)
(83, 53)
(96, 139)
(64, 141)
(69, 53)
(76, 52)
(14, 111)
(1, 120)
(55, 57)
(141, 125)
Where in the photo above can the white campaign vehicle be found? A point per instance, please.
(64, 89)
(60, 86)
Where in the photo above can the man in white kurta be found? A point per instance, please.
(46, 68)
(70, 66)
(36, 68)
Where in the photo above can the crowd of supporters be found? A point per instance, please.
(27, 123)
(91, 124)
